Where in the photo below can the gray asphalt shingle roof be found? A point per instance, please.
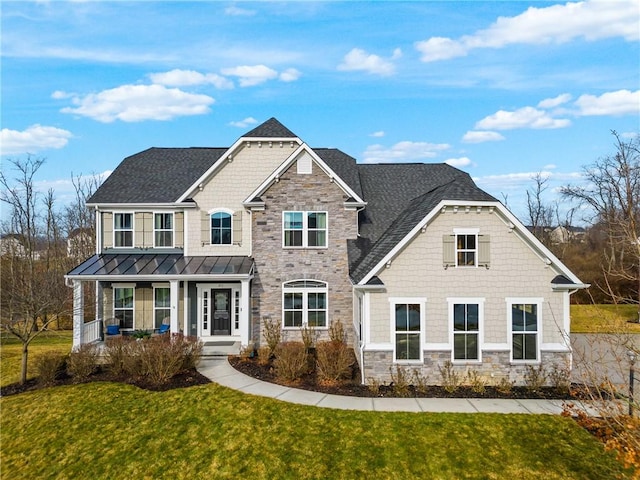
(398, 196)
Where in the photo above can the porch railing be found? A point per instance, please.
(92, 331)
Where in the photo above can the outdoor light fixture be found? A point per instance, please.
(632, 361)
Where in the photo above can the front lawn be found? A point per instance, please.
(104, 430)
(604, 319)
(11, 352)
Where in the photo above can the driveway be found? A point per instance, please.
(597, 357)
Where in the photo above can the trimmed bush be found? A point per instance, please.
(82, 362)
(333, 361)
(291, 361)
(49, 365)
(120, 355)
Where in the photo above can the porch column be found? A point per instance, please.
(244, 312)
(78, 313)
(99, 301)
(173, 294)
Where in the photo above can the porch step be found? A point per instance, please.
(220, 349)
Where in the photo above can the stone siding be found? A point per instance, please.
(275, 265)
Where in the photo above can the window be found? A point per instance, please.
(221, 228)
(161, 306)
(407, 331)
(466, 328)
(163, 229)
(304, 302)
(123, 229)
(123, 306)
(466, 250)
(304, 229)
(524, 328)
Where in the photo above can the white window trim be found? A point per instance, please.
(173, 229)
(133, 228)
(305, 230)
(466, 231)
(305, 302)
(115, 286)
(393, 301)
(156, 287)
(220, 210)
(525, 300)
(467, 300)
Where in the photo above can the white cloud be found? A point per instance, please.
(244, 123)
(550, 166)
(592, 20)
(184, 78)
(251, 75)
(402, 152)
(135, 103)
(60, 95)
(622, 102)
(290, 75)
(235, 11)
(478, 136)
(377, 134)
(34, 139)
(459, 162)
(526, 117)
(554, 102)
(359, 60)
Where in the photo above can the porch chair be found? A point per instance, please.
(112, 326)
(164, 326)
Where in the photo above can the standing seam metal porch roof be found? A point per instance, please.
(146, 264)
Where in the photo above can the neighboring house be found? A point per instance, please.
(418, 263)
(12, 244)
(567, 233)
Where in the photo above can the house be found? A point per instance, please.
(80, 243)
(419, 264)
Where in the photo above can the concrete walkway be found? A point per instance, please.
(220, 371)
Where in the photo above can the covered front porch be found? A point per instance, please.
(207, 297)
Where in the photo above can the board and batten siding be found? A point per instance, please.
(143, 229)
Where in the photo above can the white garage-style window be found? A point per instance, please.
(407, 317)
(525, 325)
(304, 303)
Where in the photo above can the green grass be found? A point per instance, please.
(11, 353)
(604, 319)
(113, 431)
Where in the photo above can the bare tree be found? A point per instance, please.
(80, 221)
(33, 293)
(541, 215)
(612, 193)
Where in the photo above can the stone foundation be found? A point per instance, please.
(495, 366)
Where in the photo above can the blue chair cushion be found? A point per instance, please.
(163, 328)
(113, 329)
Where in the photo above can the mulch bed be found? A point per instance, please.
(352, 386)
(187, 378)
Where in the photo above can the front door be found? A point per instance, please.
(221, 324)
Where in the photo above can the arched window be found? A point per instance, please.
(304, 303)
(221, 228)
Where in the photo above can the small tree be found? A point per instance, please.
(33, 293)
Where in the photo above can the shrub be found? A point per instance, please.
(291, 361)
(82, 362)
(534, 377)
(119, 351)
(272, 334)
(373, 385)
(400, 381)
(420, 382)
(337, 332)
(49, 365)
(264, 355)
(248, 351)
(190, 348)
(334, 361)
(309, 337)
(161, 358)
(450, 378)
(477, 382)
(560, 378)
(504, 386)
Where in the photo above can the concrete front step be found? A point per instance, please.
(220, 349)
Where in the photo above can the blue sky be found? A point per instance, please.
(501, 90)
